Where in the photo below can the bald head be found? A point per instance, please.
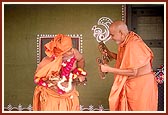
(118, 31)
(119, 26)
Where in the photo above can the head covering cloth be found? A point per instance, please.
(55, 48)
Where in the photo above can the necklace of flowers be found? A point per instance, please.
(66, 75)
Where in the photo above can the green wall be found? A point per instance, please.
(22, 24)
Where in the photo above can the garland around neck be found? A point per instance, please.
(66, 75)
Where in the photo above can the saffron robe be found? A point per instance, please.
(141, 92)
(45, 99)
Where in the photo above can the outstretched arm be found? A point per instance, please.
(127, 72)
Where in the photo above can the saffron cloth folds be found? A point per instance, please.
(140, 92)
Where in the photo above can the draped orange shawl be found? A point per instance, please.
(132, 54)
(55, 48)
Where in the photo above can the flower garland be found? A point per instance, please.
(65, 75)
(160, 74)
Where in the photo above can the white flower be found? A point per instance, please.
(66, 89)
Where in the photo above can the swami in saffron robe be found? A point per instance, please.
(46, 99)
(139, 93)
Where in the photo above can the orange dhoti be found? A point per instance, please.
(132, 97)
(140, 98)
(46, 99)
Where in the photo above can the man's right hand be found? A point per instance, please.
(104, 68)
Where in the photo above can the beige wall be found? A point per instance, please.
(22, 23)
